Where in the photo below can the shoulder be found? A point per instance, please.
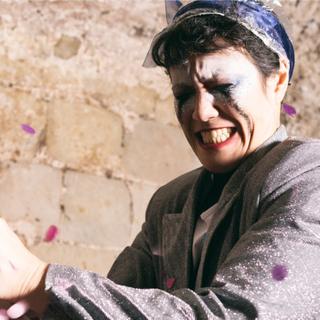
(173, 195)
(288, 160)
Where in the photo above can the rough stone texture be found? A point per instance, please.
(15, 110)
(141, 194)
(93, 259)
(29, 198)
(156, 151)
(83, 136)
(104, 126)
(304, 91)
(96, 211)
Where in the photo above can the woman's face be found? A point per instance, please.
(225, 108)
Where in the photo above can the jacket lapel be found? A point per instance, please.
(178, 229)
(227, 206)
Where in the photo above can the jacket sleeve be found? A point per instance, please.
(271, 273)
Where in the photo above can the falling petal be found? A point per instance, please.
(289, 110)
(51, 233)
(170, 282)
(279, 272)
(28, 129)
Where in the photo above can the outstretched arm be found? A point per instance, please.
(271, 273)
(22, 275)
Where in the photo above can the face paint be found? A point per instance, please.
(223, 107)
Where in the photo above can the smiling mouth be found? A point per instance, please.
(215, 136)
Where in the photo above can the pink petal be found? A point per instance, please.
(28, 129)
(51, 233)
(170, 282)
(289, 110)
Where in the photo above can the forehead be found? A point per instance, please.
(224, 65)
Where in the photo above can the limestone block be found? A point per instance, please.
(117, 96)
(67, 47)
(96, 211)
(19, 108)
(17, 73)
(141, 194)
(96, 260)
(305, 89)
(157, 152)
(30, 198)
(83, 136)
(165, 111)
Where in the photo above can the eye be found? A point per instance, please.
(222, 88)
(181, 99)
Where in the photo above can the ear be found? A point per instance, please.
(172, 6)
(280, 80)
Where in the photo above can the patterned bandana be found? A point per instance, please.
(252, 14)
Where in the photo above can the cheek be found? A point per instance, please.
(184, 113)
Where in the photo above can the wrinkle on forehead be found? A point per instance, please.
(222, 66)
(206, 67)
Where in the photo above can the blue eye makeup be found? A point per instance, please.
(222, 88)
(225, 89)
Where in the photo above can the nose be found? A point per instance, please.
(204, 108)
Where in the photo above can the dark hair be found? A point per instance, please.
(198, 35)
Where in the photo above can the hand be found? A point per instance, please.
(22, 274)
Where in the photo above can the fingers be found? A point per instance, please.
(18, 309)
(3, 314)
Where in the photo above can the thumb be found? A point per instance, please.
(18, 309)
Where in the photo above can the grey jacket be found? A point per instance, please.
(260, 259)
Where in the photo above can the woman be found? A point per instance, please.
(236, 239)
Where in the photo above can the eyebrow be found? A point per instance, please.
(212, 78)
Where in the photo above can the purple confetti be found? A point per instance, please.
(28, 129)
(170, 282)
(279, 272)
(51, 233)
(289, 110)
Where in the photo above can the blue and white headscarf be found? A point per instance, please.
(256, 17)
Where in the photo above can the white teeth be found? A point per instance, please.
(216, 136)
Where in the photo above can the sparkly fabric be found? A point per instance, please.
(260, 259)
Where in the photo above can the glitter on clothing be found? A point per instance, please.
(51, 233)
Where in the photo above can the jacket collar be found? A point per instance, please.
(234, 184)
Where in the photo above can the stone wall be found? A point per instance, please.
(87, 134)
